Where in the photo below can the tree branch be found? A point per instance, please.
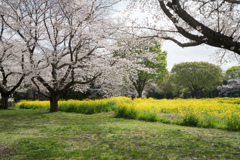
(189, 44)
(45, 84)
(233, 1)
(39, 91)
(214, 38)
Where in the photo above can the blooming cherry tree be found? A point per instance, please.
(128, 64)
(69, 43)
(191, 23)
(13, 65)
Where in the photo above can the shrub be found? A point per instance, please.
(147, 116)
(124, 112)
(233, 122)
(190, 120)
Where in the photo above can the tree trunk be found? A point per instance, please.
(64, 95)
(54, 103)
(34, 95)
(195, 94)
(139, 93)
(4, 102)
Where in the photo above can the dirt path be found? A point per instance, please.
(3, 151)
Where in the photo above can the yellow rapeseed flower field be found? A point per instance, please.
(199, 112)
(220, 107)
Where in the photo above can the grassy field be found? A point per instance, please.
(38, 134)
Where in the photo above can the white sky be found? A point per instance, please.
(178, 54)
(205, 53)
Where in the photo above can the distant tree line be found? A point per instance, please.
(186, 80)
(201, 80)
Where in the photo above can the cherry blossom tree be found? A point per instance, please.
(193, 22)
(12, 64)
(136, 58)
(148, 64)
(69, 43)
(231, 88)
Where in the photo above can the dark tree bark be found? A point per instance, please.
(6, 93)
(140, 90)
(195, 94)
(54, 103)
(139, 85)
(4, 101)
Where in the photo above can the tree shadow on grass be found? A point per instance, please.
(37, 148)
(14, 120)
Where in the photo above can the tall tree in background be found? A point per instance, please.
(157, 64)
(233, 72)
(197, 77)
(168, 87)
(192, 23)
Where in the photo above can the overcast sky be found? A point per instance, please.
(178, 54)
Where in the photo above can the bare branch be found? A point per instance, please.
(233, 1)
(189, 44)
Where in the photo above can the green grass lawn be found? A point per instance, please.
(35, 134)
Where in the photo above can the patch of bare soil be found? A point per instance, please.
(169, 115)
(4, 152)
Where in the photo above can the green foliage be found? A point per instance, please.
(128, 113)
(196, 77)
(168, 87)
(190, 120)
(233, 122)
(209, 121)
(233, 72)
(159, 65)
(87, 108)
(148, 116)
